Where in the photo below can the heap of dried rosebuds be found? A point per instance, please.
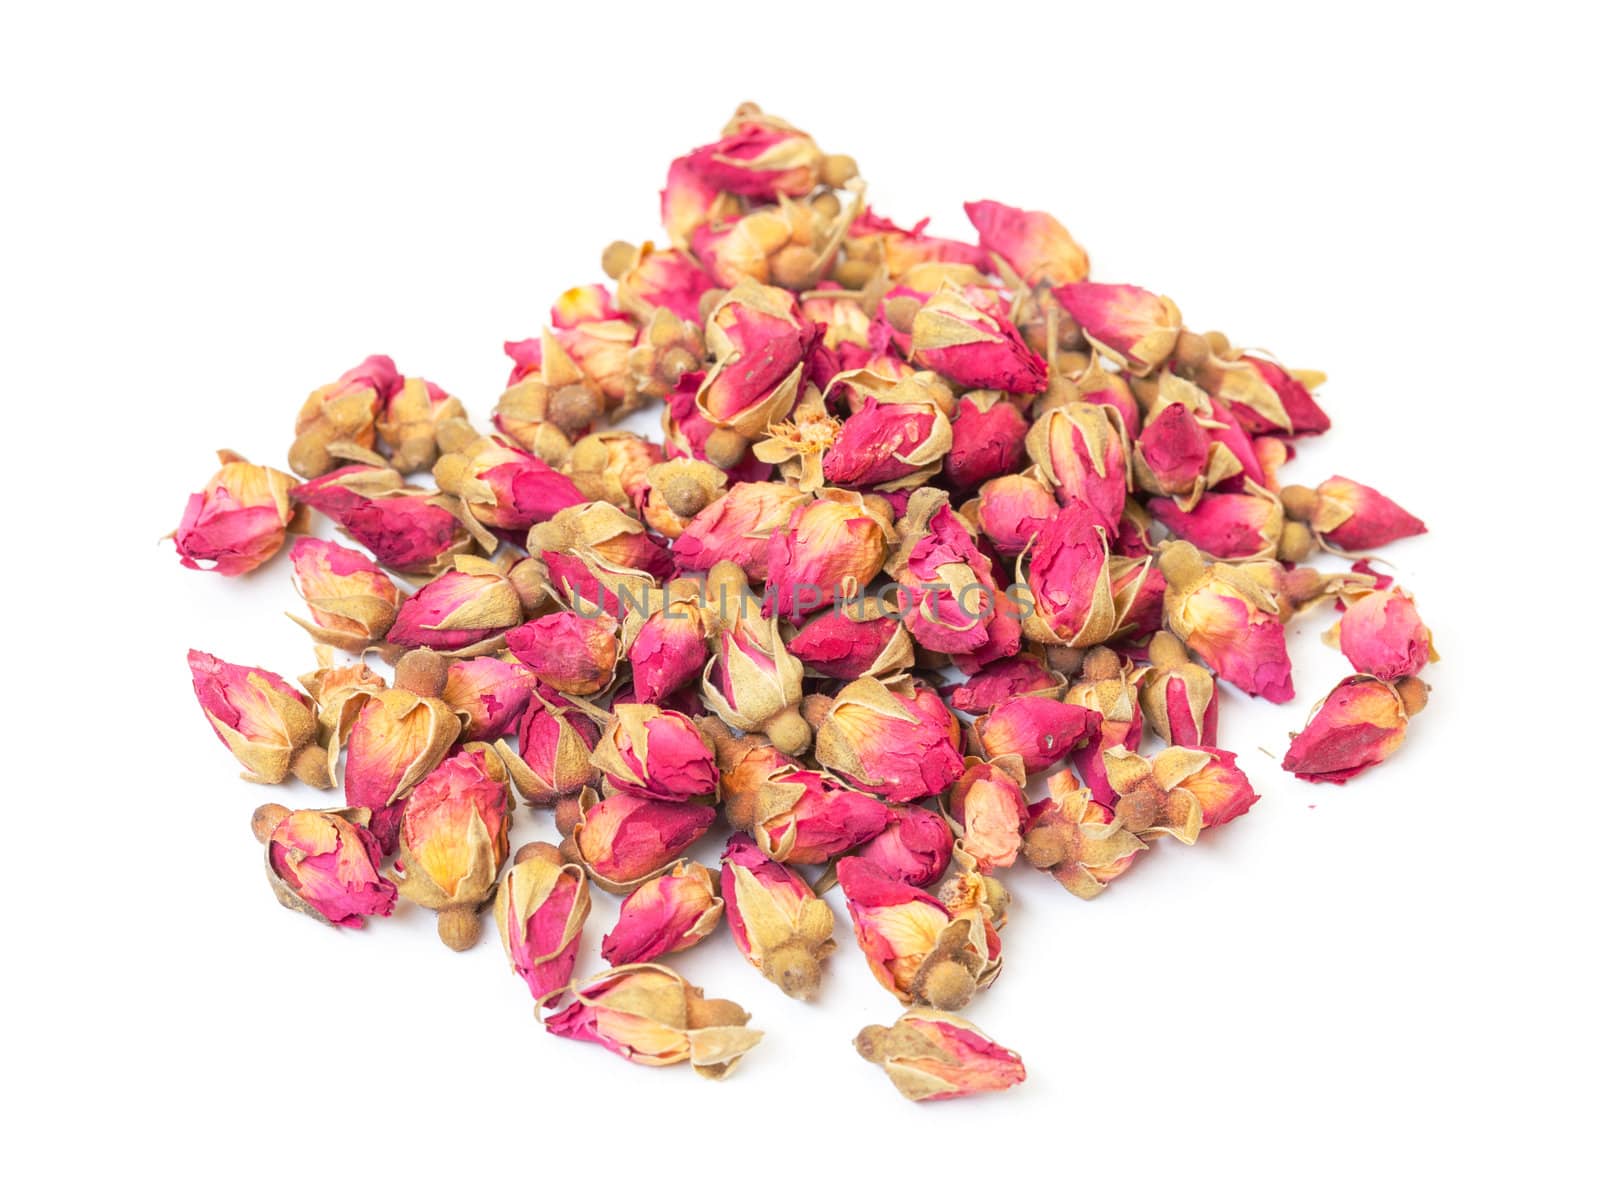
(889, 459)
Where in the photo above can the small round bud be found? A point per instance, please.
(310, 766)
(789, 732)
(567, 814)
(686, 495)
(948, 985)
(1065, 659)
(573, 408)
(794, 969)
(675, 362)
(853, 275)
(617, 258)
(265, 819)
(421, 672)
(460, 927)
(1166, 650)
(1413, 694)
(826, 205)
(1191, 352)
(794, 267)
(725, 447)
(1180, 562)
(838, 169)
(541, 850)
(900, 312)
(1299, 502)
(1296, 544)
(709, 301)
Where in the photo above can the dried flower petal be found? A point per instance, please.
(352, 601)
(1381, 634)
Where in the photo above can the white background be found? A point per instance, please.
(210, 211)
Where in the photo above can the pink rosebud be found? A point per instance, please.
(999, 681)
(504, 486)
(649, 1015)
(832, 547)
(663, 279)
(326, 864)
(263, 721)
(1108, 686)
(668, 914)
(687, 201)
(1111, 390)
(835, 646)
(804, 816)
(398, 738)
(1225, 617)
(1080, 842)
(1178, 696)
(406, 529)
(899, 742)
(1381, 634)
(1244, 525)
(540, 909)
(760, 157)
(351, 600)
(759, 341)
(489, 693)
(986, 439)
(1220, 786)
(974, 348)
(1134, 327)
(1036, 245)
(1305, 416)
(655, 754)
(570, 652)
(623, 840)
(1355, 727)
(932, 1056)
(1040, 729)
(777, 921)
(872, 237)
(582, 304)
(738, 526)
(988, 804)
(1013, 510)
(950, 599)
(1069, 580)
(238, 521)
(666, 649)
(915, 847)
(344, 412)
(554, 744)
(892, 444)
(1172, 452)
(470, 606)
(1349, 515)
(1078, 450)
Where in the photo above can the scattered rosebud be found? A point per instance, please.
(324, 864)
(667, 914)
(666, 646)
(899, 742)
(838, 646)
(760, 157)
(932, 1056)
(1013, 510)
(739, 527)
(238, 521)
(915, 848)
(505, 487)
(832, 547)
(1245, 525)
(465, 610)
(540, 908)
(1033, 243)
(1040, 728)
(342, 415)
(555, 741)
(1221, 614)
(1068, 575)
(986, 439)
(406, 529)
(974, 348)
(1078, 449)
(655, 754)
(1080, 842)
(570, 652)
(1177, 695)
(267, 725)
(1355, 727)
(988, 806)
(1108, 686)
(754, 683)
(408, 425)
(1134, 327)
(624, 840)
(999, 681)
(777, 921)
(489, 694)
(351, 600)
(1382, 635)
(1349, 515)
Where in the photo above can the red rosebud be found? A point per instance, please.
(1355, 727)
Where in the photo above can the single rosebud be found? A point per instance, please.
(1229, 620)
(613, 467)
(915, 847)
(463, 611)
(409, 423)
(999, 681)
(687, 202)
(339, 692)
(454, 839)
(753, 683)
(1355, 727)
(655, 754)
(1178, 792)
(600, 350)
(1177, 695)
(1012, 511)
(399, 736)
(680, 489)
(603, 537)
(832, 547)
(986, 439)
(739, 527)
(555, 741)
(1111, 390)
(267, 725)
(1069, 580)
(324, 864)
(1247, 525)
(777, 921)
(667, 914)
(489, 694)
(1040, 728)
(974, 348)
(540, 909)
(1108, 686)
(343, 414)
(651, 1016)
(406, 529)
(624, 840)
(1082, 843)
(949, 598)
(759, 341)
(988, 806)
(351, 600)
(655, 280)
(572, 653)
(838, 646)
(759, 157)
(505, 487)
(1351, 516)
(1172, 455)
(889, 444)
(539, 419)
(1293, 388)
(238, 521)
(799, 815)
(1035, 244)
(1134, 327)
(917, 948)
(899, 742)
(666, 644)
(932, 1056)
(1078, 449)
(1382, 634)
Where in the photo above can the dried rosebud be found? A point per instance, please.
(398, 738)
(1177, 792)
(777, 921)
(918, 949)
(1349, 515)
(324, 864)
(1221, 614)
(1108, 686)
(662, 279)
(679, 490)
(267, 725)
(799, 815)
(409, 422)
(949, 598)
(1111, 390)
(974, 348)
(1355, 727)
(1069, 580)
(1293, 389)
(352, 601)
(505, 487)
(1078, 450)
(1080, 842)
(489, 694)
(1177, 695)
(687, 202)
(759, 341)
(613, 467)
(570, 652)
(555, 741)
(1381, 633)
(1245, 525)
(1172, 455)
(655, 754)
(454, 839)
(754, 684)
(669, 913)
(739, 527)
(406, 529)
(651, 1016)
(831, 548)
(340, 692)
(889, 444)
(914, 848)
(623, 840)
(614, 546)
(1041, 729)
(1013, 510)
(988, 806)
(879, 242)
(540, 909)
(341, 415)
(899, 742)
(1034, 244)
(466, 610)
(986, 439)
(999, 681)
(759, 157)
(932, 1056)
(1134, 327)
(838, 646)
(238, 521)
